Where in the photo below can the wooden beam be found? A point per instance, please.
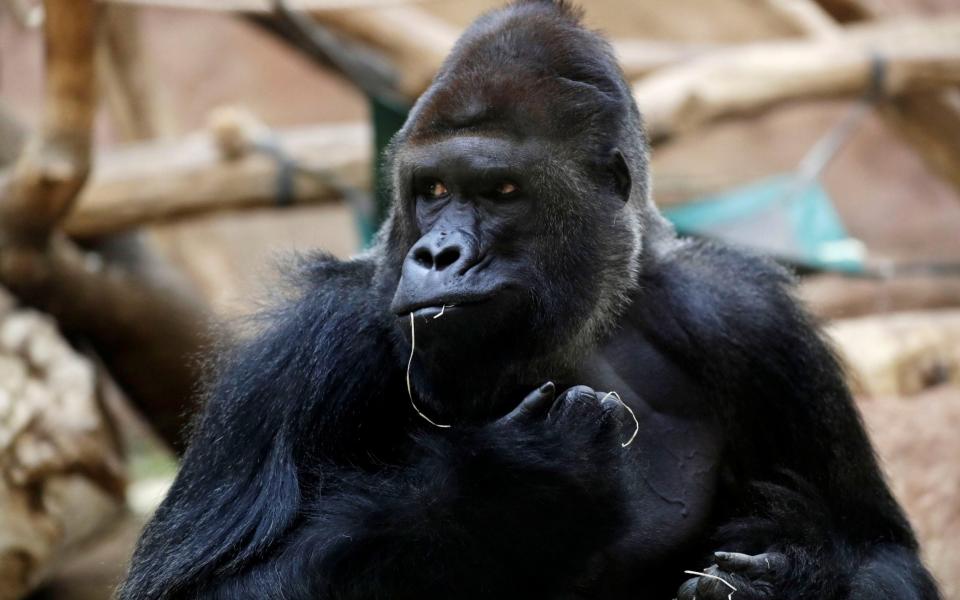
(838, 297)
(265, 6)
(930, 121)
(900, 354)
(55, 163)
(639, 58)
(919, 55)
(142, 183)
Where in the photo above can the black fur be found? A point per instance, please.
(311, 476)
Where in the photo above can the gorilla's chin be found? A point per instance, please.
(477, 332)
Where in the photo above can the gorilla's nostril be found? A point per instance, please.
(447, 257)
(423, 257)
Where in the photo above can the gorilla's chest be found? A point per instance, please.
(676, 452)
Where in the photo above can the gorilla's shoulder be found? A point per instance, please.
(327, 303)
(323, 272)
(322, 282)
(703, 294)
(326, 325)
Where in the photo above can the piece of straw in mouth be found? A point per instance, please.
(413, 347)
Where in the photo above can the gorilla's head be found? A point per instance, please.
(520, 194)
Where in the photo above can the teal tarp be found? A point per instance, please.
(782, 216)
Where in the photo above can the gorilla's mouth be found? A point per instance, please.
(435, 308)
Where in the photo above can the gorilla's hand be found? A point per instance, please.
(580, 415)
(581, 431)
(747, 577)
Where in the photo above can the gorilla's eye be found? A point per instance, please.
(436, 189)
(506, 188)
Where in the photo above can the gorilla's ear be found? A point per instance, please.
(621, 174)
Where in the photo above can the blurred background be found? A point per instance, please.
(160, 158)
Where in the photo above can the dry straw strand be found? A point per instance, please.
(636, 423)
(413, 347)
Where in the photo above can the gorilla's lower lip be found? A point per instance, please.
(433, 312)
(435, 308)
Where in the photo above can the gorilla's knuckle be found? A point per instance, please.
(581, 392)
(688, 589)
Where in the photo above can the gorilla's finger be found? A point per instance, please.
(612, 412)
(617, 411)
(761, 564)
(536, 403)
(688, 591)
(576, 400)
(610, 401)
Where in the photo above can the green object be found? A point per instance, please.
(388, 118)
(783, 216)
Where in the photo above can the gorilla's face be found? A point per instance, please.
(511, 249)
(473, 271)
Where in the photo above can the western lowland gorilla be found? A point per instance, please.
(394, 429)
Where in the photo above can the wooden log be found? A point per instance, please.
(61, 471)
(837, 296)
(55, 164)
(264, 6)
(639, 58)
(919, 55)
(900, 354)
(143, 183)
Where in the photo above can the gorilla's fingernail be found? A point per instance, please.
(548, 386)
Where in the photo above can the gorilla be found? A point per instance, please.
(529, 387)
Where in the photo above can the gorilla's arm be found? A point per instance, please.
(287, 394)
(803, 483)
(278, 492)
(514, 508)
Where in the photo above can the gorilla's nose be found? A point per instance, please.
(436, 272)
(451, 253)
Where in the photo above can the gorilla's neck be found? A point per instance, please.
(473, 388)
